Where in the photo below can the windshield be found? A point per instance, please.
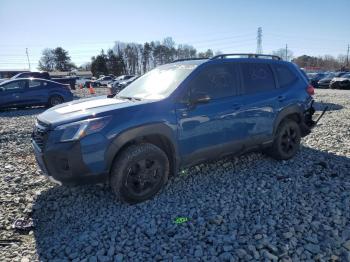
(331, 75)
(158, 83)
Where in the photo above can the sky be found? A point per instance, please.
(85, 27)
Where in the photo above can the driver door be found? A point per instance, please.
(203, 126)
(12, 93)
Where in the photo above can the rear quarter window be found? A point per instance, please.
(257, 77)
(285, 76)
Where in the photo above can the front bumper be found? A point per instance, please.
(64, 163)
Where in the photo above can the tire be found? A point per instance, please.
(55, 100)
(287, 140)
(139, 173)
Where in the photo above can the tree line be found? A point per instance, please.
(136, 59)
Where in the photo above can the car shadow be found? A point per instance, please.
(13, 112)
(82, 221)
(319, 106)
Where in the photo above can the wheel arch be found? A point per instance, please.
(293, 112)
(159, 134)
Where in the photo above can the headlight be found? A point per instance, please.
(77, 130)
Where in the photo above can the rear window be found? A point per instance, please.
(257, 78)
(34, 84)
(285, 76)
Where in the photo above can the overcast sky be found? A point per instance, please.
(85, 27)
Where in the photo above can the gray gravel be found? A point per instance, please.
(238, 208)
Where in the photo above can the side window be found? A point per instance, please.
(34, 84)
(257, 78)
(216, 81)
(14, 85)
(285, 76)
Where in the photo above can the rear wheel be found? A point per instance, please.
(287, 140)
(139, 172)
(55, 100)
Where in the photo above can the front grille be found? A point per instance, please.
(40, 134)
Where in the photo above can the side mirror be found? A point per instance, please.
(199, 98)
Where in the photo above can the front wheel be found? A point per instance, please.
(139, 172)
(287, 140)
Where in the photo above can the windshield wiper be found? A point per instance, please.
(129, 98)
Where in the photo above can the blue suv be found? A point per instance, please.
(175, 116)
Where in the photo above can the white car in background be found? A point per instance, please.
(83, 80)
(103, 81)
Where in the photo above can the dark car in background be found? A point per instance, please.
(326, 81)
(315, 77)
(342, 82)
(116, 86)
(71, 81)
(24, 92)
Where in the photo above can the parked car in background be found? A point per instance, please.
(117, 86)
(103, 81)
(342, 82)
(24, 92)
(82, 80)
(325, 82)
(315, 77)
(176, 115)
(71, 81)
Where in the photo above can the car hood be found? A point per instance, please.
(83, 109)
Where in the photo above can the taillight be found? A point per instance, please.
(310, 90)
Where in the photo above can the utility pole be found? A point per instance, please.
(259, 41)
(286, 52)
(347, 56)
(28, 59)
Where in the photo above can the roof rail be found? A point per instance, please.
(222, 56)
(188, 59)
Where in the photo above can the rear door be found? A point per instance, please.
(12, 93)
(37, 91)
(258, 102)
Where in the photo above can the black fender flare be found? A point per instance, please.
(136, 133)
(289, 110)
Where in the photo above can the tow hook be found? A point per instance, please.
(309, 113)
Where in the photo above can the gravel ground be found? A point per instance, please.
(238, 208)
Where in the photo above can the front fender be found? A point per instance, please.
(135, 133)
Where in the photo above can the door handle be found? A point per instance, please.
(281, 98)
